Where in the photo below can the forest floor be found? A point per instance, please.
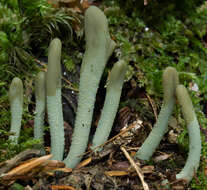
(149, 52)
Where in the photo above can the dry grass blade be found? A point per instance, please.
(138, 170)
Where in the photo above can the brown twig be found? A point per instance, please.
(135, 166)
(152, 105)
(133, 125)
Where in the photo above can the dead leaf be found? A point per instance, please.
(84, 163)
(116, 173)
(172, 137)
(26, 167)
(28, 188)
(123, 166)
(132, 153)
(148, 169)
(66, 170)
(76, 5)
(61, 187)
(51, 168)
(85, 4)
(178, 187)
(9, 164)
(55, 164)
(162, 157)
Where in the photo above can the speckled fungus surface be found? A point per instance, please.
(113, 93)
(40, 97)
(99, 47)
(170, 81)
(16, 102)
(54, 103)
(189, 115)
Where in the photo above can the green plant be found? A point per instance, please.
(99, 47)
(16, 102)
(54, 103)
(111, 103)
(170, 81)
(43, 22)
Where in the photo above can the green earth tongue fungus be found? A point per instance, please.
(111, 103)
(189, 115)
(99, 47)
(54, 103)
(16, 101)
(40, 106)
(170, 81)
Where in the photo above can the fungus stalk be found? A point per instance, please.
(54, 103)
(40, 106)
(16, 102)
(170, 81)
(113, 93)
(99, 47)
(189, 115)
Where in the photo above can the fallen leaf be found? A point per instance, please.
(26, 167)
(172, 137)
(123, 166)
(85, 4)
(55, 164)
(148, 169)
(162, 157)
(132, 153)
(116, 173)
(84, 163)
(13, 162)
(61, 187)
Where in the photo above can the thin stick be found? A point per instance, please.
(113, 138)
(152, 105)
(135, 166)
